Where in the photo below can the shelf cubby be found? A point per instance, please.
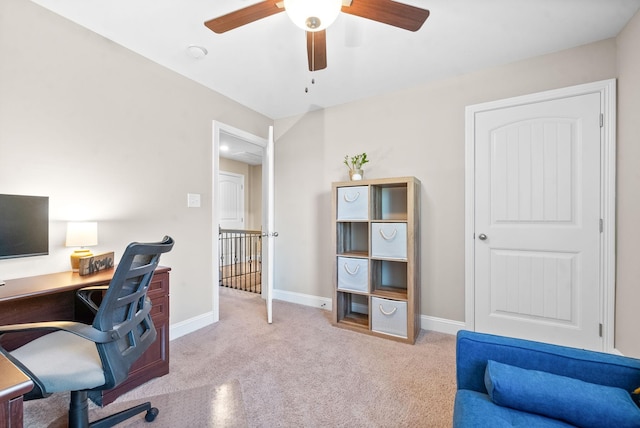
(353, 238)
(353, 309)
(389, 279)
(389, 202)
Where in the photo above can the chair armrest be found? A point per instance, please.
(83, 330)
(86, 296)
(475, 349)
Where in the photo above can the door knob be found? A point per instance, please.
(482, 236)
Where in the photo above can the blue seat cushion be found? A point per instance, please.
(559, 397)
(473, 409)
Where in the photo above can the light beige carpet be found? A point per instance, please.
(301, 371)
(219, 406)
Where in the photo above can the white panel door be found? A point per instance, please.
(231, 193)
(537, 221)
(268, 219)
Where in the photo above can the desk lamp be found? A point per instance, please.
(81, 234)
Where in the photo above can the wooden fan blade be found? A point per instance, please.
(244, 16)
(389, 12)
(317, 50)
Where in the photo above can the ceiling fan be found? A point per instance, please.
(315, 22)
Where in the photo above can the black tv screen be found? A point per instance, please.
(24, 226)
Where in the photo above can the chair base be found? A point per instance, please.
(79, 413)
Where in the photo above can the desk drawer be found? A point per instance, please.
(159, 285)
(160, 309)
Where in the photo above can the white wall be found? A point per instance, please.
(628, 196)
(417, 132)
(109, 136)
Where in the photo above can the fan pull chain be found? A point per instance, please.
(313, 59)
(313, 82)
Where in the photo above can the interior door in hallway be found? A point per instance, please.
(231, 200)
(537, 221)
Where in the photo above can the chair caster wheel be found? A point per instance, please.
(151, 414)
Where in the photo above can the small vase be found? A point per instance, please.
(356, 174)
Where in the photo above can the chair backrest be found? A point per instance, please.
(125, 309)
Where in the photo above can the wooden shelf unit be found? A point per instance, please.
(376, 274)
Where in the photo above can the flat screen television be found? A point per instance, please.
(24, 226)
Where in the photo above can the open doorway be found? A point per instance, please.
(240, 228)
(241, 153)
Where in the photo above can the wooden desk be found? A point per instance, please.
(52, 298)
(13, 385)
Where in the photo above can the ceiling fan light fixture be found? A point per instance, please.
(313, 15)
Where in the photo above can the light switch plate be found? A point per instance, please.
(193, 200)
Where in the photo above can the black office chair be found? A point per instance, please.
(82, 358)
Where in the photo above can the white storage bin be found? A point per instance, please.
(389, 240)
(353, 274)
(353, 203)
(389, 316)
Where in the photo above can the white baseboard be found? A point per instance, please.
(441, 325)
(182, 328)
(615, 351)
(192, 324)
(189, 326)
(303, 299)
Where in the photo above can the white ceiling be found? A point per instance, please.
(263, 64)
(233, 147)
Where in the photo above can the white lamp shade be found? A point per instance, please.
(313, 15)
(82, 234)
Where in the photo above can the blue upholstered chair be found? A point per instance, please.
(508, 382)
(84, 358)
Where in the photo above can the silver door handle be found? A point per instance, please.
(482, 236)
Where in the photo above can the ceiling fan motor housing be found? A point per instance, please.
(313, 22)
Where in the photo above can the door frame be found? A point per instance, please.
(607, 90)
(218, 129)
